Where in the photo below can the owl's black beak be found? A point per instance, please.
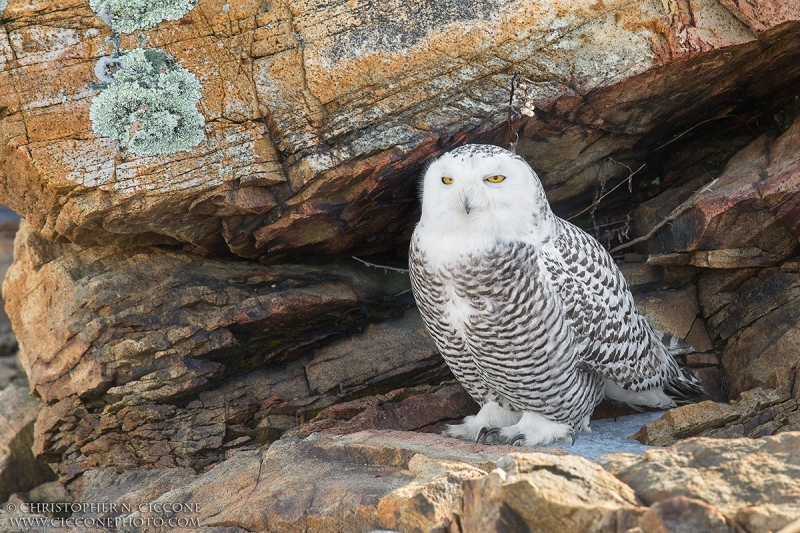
(465, 204)
(467, 198)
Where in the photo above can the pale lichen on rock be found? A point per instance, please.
(150, 106)
(125, 16)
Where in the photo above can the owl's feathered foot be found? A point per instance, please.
(534, 429)
(476, 427)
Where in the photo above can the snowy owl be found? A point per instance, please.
(530, 313)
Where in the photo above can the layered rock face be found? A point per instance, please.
(19, 469)
(167, 358)
(195, 330)
(412, 482)
(320, 115)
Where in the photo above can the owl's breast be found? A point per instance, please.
(478, 295)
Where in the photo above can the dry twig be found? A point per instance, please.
(675, 213)
(690, 129)
(600, 197)
(512, 145)
(393, 269)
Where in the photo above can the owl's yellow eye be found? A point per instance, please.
(495, 179)
(447, 181)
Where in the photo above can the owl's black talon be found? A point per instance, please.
(485, 434)
(493, 431)
(520, 438)
(573, 436)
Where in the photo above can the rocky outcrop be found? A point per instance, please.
(211, 355)
(19, 470)
(747, 217)
(739, 229)
(414, 482)
(208, 343)
(317, 113)
(739, 478)
(219, 355)
(756, 413)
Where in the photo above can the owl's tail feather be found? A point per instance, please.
(674, 345)
(683, 384)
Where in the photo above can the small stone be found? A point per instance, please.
(136, 373)
(52, 492)
(763, 518)
(683, 515)
(733, 258)
(684, 421)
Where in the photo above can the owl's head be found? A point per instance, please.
(487, 193)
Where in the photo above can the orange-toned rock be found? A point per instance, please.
(729, 475)
(537, 492)
(319, 115)
(755, 414)
(681, 514)
(415, 482)
(151, 356)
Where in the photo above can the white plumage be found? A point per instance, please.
(531, 313)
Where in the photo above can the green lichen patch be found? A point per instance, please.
(150, 106)
(126, 16)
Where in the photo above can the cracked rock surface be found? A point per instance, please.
(153, 357)
(319, 113)
(416, 482)
(194, 329)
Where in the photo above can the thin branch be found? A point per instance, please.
(600, 198)
(627, 219)
(690, 129)
(675, 213)
(393, 269)
(512, 146)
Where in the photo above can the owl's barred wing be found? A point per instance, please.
(617, 342)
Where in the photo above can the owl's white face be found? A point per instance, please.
(478, 195)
